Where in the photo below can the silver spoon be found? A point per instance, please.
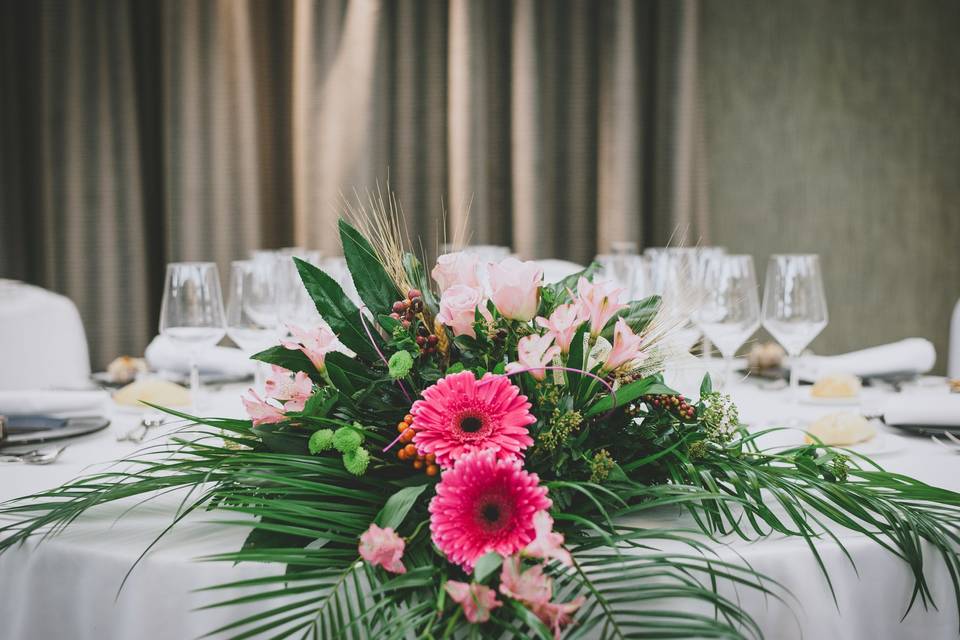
(34, 457)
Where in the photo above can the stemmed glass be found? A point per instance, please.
(251, 309)
(730, 309)
(191, 314)
(794, 306)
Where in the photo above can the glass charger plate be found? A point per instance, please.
(73, 428)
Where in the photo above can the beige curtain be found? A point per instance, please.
(553, 127)
(142, 132)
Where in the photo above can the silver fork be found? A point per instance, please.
(954, 444)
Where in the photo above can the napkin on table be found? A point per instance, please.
(912, 355)
(918, 408)
(163, 354)
(58, 403)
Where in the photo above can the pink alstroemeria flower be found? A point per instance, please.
(515, 288)
(531, 586)
(534, 589)
(261, 412)
(316, 343)
(293, 390)
(477, 600)
(563, 324)
(599, 301)
(534, 352)
(458, 306)
(626, 347)
(382, 547)
(548, 544)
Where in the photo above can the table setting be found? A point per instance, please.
(486, 447)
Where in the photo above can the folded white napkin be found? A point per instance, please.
(52, 403)
(912, 355)
(163, 354)
(557, 270)
(942, 410)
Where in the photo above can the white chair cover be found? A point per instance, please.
(42, 342)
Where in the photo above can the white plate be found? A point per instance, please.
(830, 402)
(882, 444)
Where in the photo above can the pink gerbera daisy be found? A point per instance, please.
(485, 504)
(461, 414)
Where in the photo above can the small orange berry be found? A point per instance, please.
(408, 419)
(432, 469)
(431, 458)
(407, 435)
(411, 450)
(402, 426)
(402, 454)
(418, 464)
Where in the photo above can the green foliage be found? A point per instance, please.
(398, 506)
(335, 307)
(638, 314)
(374, 285)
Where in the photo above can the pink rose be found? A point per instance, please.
(262, 412)
(547, 544)
(457, 268)
(534, 352)
(476, 599)
(563, 324)
(515, 288)
(293, 390)
(382, 547)
(458, 306)
(626, 346)
(599, 301)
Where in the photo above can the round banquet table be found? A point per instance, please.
(69, 586)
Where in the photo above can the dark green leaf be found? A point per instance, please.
(398, 506)
(376, 288)
(486, 565)
(625, 394)
(292, 359)
(638, 315)
(336, 308)
(706, 386)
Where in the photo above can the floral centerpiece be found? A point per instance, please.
(470, 452)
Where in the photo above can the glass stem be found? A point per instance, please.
(194, 384)
(727, 370)
(795, 379)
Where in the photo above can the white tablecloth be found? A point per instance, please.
(67, 586)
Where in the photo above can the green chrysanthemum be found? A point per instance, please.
(320, 441)
(356, 461)
(400, 364)
(347, 439)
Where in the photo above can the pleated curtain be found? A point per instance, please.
(142, 133)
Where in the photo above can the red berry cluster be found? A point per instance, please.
(426, 341)
(406, 310)
(409, 453)
(675, 404)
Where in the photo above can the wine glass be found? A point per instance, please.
(730, 308)
(251, 309)
(794, 306)
(191, 314)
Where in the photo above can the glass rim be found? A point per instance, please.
(795, 255)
